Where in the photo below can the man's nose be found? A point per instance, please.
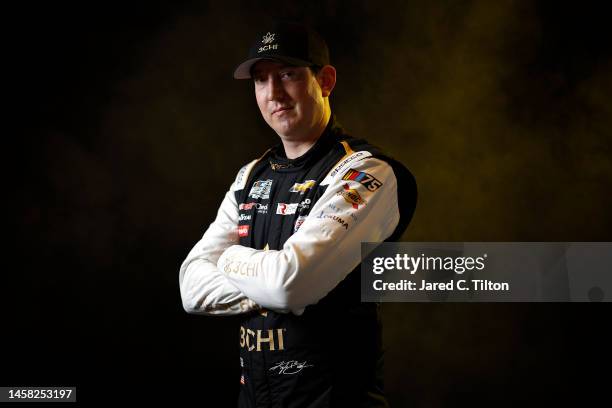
(276, 91)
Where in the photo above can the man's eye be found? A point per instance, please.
(287, 74)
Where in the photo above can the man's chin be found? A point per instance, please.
(284, 129)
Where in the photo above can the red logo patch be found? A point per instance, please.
(243, 230)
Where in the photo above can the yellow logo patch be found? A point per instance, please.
(352, 196)
(302, 187)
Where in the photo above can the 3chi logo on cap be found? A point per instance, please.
(268, 38)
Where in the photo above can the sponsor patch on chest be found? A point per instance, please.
(286, 209)
(302, 187)
(261, 189)
(243, 230)
(261, 208)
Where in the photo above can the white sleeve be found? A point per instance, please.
(205, 290)
(327, 246)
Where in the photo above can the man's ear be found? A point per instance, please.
(326, 79)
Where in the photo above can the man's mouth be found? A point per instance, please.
(279, 110)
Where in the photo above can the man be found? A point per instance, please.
(284, 250)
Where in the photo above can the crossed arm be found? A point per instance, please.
(312, 261)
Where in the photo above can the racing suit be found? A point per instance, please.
(284, 251)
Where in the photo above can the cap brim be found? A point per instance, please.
(243, 71)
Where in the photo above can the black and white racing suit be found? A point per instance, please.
(284, 251)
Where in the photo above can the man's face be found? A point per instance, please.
(289, 99)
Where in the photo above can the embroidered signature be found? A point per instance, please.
(290, 367)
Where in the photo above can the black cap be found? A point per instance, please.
(292, 43)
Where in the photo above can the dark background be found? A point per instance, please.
(124, 128)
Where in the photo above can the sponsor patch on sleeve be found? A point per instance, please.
(241, 178)
(298, 223)
(334, 217)
(343, 164)
(369, 181)
(352, 196)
